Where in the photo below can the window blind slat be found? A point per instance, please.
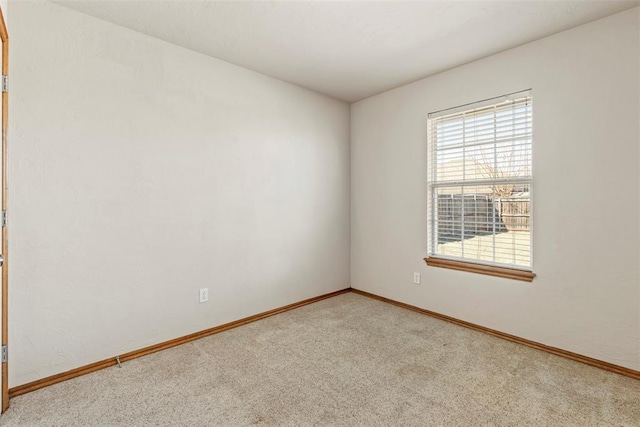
(518, 98)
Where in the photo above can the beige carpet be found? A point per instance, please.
(348, 360)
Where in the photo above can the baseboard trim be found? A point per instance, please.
(627, 372)
(87, 369)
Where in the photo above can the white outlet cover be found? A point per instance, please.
(416, 278)
(204, 294)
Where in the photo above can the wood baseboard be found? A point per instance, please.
(54, 379)
(627, 372)
(87, 369)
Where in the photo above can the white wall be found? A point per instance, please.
(141, 172)
(586, 179)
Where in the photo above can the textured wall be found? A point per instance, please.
(141, 172)
(586, 189)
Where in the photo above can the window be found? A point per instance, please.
(480, 182)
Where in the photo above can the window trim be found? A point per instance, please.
(489, 270)
(515, 272)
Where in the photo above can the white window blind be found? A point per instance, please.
(480, 182)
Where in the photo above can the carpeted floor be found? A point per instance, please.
(348, 360)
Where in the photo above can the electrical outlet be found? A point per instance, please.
(204, 294)
(416, 278)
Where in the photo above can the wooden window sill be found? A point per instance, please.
(507, 273)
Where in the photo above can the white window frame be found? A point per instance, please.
(433, 183)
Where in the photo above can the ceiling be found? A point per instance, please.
(349, 50)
